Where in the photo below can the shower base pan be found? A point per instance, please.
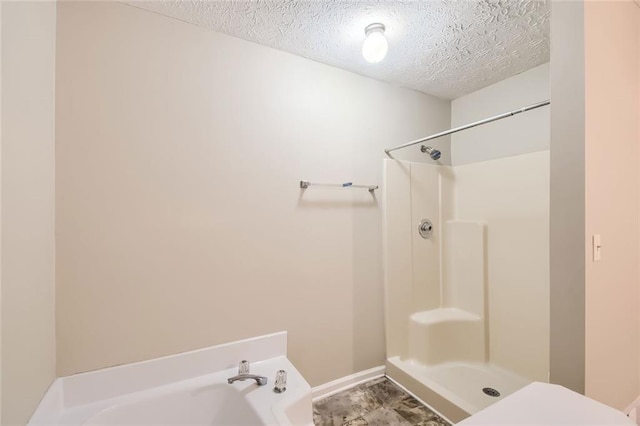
(455, 389)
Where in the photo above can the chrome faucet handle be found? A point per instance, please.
(281, 382)
(243, 367)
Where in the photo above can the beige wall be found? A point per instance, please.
(611, 143)
(594, 174)
(567, 205)
(28, 330)
(180, 222)
(1, 74)
(520, 134)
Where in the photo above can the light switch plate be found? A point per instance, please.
(597, 247)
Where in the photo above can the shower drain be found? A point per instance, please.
(491, 392)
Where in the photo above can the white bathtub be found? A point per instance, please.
(209, 404)
(170, 391)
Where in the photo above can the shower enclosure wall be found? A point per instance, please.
(467, 309)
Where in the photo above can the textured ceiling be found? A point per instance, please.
(440, 47)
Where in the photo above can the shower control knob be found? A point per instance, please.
(425, 228)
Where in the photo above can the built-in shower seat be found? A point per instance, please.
(446, 335)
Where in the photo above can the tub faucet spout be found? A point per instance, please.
(260, 380)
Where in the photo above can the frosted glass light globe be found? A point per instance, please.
(375, 46)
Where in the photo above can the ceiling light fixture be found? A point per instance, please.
(375, 46)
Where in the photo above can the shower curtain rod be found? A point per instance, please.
(468, 126)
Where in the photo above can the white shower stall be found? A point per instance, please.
(467, 307)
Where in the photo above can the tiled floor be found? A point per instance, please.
(376, 403)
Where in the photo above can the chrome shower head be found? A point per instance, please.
(433, 153)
